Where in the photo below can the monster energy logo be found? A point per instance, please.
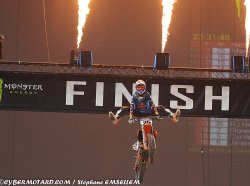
(21, 89)
(1, 89)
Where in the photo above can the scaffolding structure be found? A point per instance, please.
(121, 70)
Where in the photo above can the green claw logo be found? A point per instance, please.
(238, 4)
(1, 89)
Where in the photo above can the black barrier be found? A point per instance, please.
(96, 94)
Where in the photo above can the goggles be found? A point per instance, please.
(140, 87)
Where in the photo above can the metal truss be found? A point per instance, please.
(120, 70)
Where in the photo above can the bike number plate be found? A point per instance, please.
(146, 121)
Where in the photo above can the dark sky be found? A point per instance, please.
(117, 31)
(67, 145)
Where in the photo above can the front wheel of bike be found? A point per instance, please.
(151, 147)
(140, 170)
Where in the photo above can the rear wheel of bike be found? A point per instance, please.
(151, 147)
(140, 170)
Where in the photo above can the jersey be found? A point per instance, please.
(142, 104)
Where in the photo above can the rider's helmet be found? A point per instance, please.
(140, 86)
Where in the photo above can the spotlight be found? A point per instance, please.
(73, 59)
(161, 61)
(85, 59)
(247, 64)
(238, 64)
(81, 58)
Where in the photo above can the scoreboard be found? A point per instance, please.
(214, 51)
(220, 134)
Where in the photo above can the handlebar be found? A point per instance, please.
(133, 120)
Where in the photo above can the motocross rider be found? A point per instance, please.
(142, 105)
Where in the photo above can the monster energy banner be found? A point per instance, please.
(96, 94)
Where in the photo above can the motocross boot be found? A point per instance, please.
(113, 117)
(137, 145)
(177, 113)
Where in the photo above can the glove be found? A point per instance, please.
(131, 121)
(159, 117)
(155, 110)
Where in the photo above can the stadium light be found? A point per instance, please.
(247, 65)
(161, 61)
(238, 64)
(83, 59)
(73, 59)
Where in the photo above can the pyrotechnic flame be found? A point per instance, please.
(83, 11)
(247, 25)
(166, 19)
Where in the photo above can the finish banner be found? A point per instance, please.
(97, 94)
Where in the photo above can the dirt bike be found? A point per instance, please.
(147, 149)
(147, 145)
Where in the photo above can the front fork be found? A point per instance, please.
(145, 139)
(145, 146)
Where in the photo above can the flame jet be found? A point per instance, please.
(83, 11)
(166, 19)
(247, 25)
